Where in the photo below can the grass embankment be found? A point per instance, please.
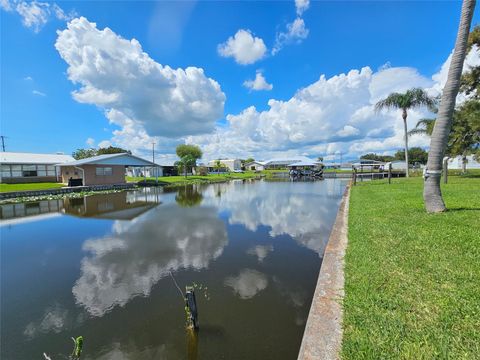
(196, 179)
(412, 279)
(28, 187)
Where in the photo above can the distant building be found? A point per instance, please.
(255, 166)
(456, 163)
(231, 164)
(368, 165)
(101, 170)
(397, 165)
(282, 163)
(338, 166)
(30, 168)
(305, 165)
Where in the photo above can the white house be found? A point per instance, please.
(456, 163)
(104, 169)
(255, 166)
(231, 164)
(397, 165)
(29, 167)
(145, 172)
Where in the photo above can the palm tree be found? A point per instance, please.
(410, 99)
(423, 127)
(432, 194)
(186, 162)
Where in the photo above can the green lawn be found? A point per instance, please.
(32, 186)
(412, 279)
(194, 179)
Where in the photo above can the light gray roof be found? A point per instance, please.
(255, 162)
(304, 163)
(287, 160)
(111, 159)
(32, 158)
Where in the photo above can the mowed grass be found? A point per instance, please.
(412, 279)
(27, 187)
(192, 179)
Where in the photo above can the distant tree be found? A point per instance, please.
(87, 153)
(470, 81)
(411, 99)
(376, 157)
(218, 165)
(188, 154)
(320, 159)
(249, 160)
(84, 153)
(464, 137)
(112, 150)
(186, 163)
(192, 150)
(432, 194)
(415, 155)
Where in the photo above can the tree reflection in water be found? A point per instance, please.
(188, 196)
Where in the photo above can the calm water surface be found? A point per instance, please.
(100, 267)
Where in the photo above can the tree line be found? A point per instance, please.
(415, 155)
(91, 152)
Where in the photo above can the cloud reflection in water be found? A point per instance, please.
(300, 210)
(140, 252)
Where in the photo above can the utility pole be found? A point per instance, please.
(3, 142)
(153, 160)
(153, 152)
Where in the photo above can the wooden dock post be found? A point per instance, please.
(191, 306)
(390, 173)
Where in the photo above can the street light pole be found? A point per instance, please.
(153, 160)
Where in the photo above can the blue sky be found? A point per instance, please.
(397, 44)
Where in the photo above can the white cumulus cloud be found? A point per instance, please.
(243, 47)
(296, 33)
(326, 116)
(135, 91)
(38, 93)
(301, 6)
(259, 83)
(36, 14)
(330, 116)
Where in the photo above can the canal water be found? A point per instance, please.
(106, 267)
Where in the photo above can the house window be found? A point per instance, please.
(103, 171)
(16, 170)
(51, 171)
(41, 170)
(6, 171)
(29, 170)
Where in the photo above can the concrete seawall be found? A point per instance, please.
(14, 194)
(322, 338)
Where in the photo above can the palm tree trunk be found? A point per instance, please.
(432, 194)
(464, 163)
(404, 116)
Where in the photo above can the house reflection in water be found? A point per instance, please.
(115, 206)
(125, 205)
(30, 209)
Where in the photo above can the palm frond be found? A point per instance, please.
(419, 97)
(392, 101)
(417, 132)
(410, 99)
